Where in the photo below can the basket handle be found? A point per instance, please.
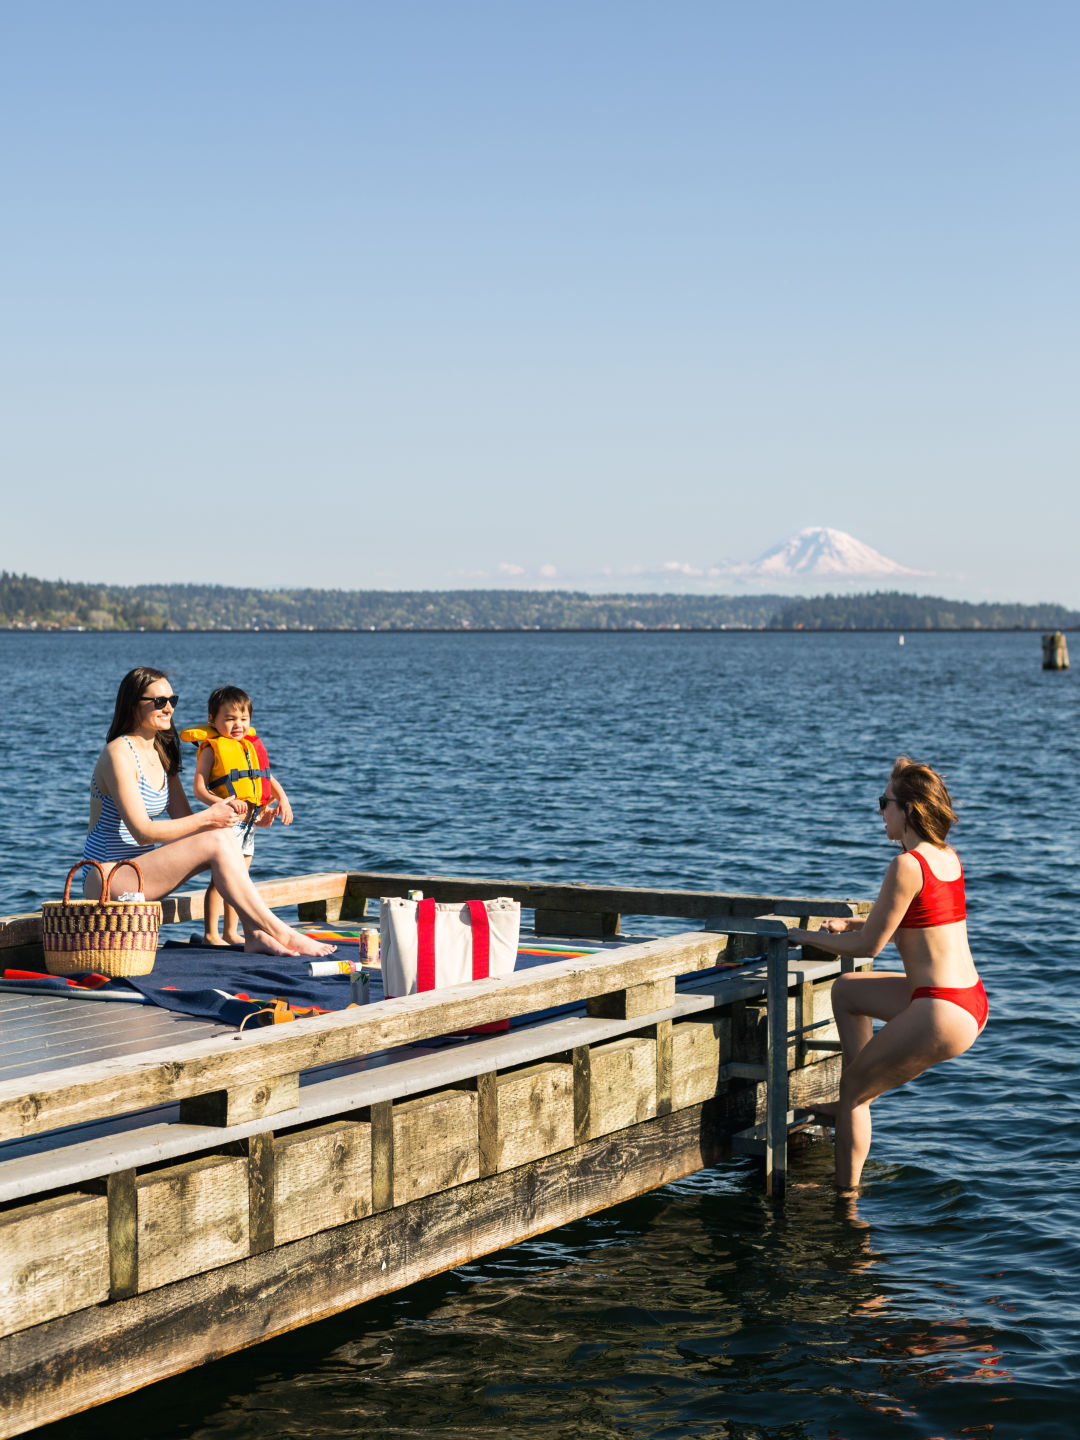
(104, 884)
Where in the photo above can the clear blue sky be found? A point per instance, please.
(355, 294)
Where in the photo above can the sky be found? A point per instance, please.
(584, 293)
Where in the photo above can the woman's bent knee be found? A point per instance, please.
(844, 991)
(851, 1093)
(221, 843)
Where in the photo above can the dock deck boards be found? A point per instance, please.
(41, 1033)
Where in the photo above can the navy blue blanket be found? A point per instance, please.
(225, 985)
(215, 983)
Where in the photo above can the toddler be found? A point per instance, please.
(232, 761)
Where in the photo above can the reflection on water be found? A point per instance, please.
(946, 1303)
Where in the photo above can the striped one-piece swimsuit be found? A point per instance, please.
(110, 839)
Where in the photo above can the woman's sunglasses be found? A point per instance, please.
(160, 701)
(883, 800)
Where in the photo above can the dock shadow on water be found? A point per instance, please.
(698, 1310)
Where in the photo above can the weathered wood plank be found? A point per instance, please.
(581, 1059)
(382, 1155)
(322, 1178)
(54, 1259)
(610, 899)
(810, 1021)
(123, 1234)
(25, 929)
(435, 1143)
(115, 1086)
(17, 930)
(333, 909)
(580, 924)
(29, 956)
(487, 1121)
(241, 1103)
(665, 1077)
(86, 1358)
(637, 1000)
(286, 890)
(699, 1046)
(262, 1186)
(192, 1217)
(535, 1113)
(623, 1088)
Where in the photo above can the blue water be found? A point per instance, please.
(947, 1304)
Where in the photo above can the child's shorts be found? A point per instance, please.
(247, 842)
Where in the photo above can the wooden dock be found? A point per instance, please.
(172, 1191)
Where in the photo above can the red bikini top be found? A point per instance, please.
(939, 902)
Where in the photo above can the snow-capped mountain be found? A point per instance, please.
(821, 553)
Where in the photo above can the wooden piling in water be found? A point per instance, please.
(1055, 652)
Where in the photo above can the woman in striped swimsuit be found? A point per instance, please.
(136, 782)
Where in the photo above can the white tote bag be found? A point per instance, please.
(427, 946)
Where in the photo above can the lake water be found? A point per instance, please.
(949, 1305)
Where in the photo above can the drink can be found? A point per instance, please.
(369, 945)
(415, 895)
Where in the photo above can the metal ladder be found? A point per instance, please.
(769, 1139)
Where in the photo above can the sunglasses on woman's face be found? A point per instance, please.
(884, 800)
(160, 701)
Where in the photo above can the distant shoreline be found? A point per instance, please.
(732, 630)
(29, 604)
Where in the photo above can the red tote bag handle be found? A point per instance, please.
(481, 940)
(425, 945)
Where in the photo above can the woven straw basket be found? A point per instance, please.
(112, 937)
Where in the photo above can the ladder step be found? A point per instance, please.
(832, 1045)
(740, 1070)
(751, 1141)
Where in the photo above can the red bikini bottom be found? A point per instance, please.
(972, 999)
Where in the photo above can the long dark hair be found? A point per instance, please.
(126, 711)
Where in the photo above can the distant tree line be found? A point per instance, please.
(27, 603)
(893, 611)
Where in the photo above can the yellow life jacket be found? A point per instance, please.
(240, 767)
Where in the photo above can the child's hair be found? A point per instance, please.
(126, 715)
(926, 799)
(228, 695)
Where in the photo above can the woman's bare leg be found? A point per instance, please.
(923, 1034)
(170, 865)
(857, 1001)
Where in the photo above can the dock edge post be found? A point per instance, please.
(776, 1063)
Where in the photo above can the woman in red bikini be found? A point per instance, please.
(937, 1008)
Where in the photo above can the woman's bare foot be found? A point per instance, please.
(306, 945)
(261, 942)
(824, 1114)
